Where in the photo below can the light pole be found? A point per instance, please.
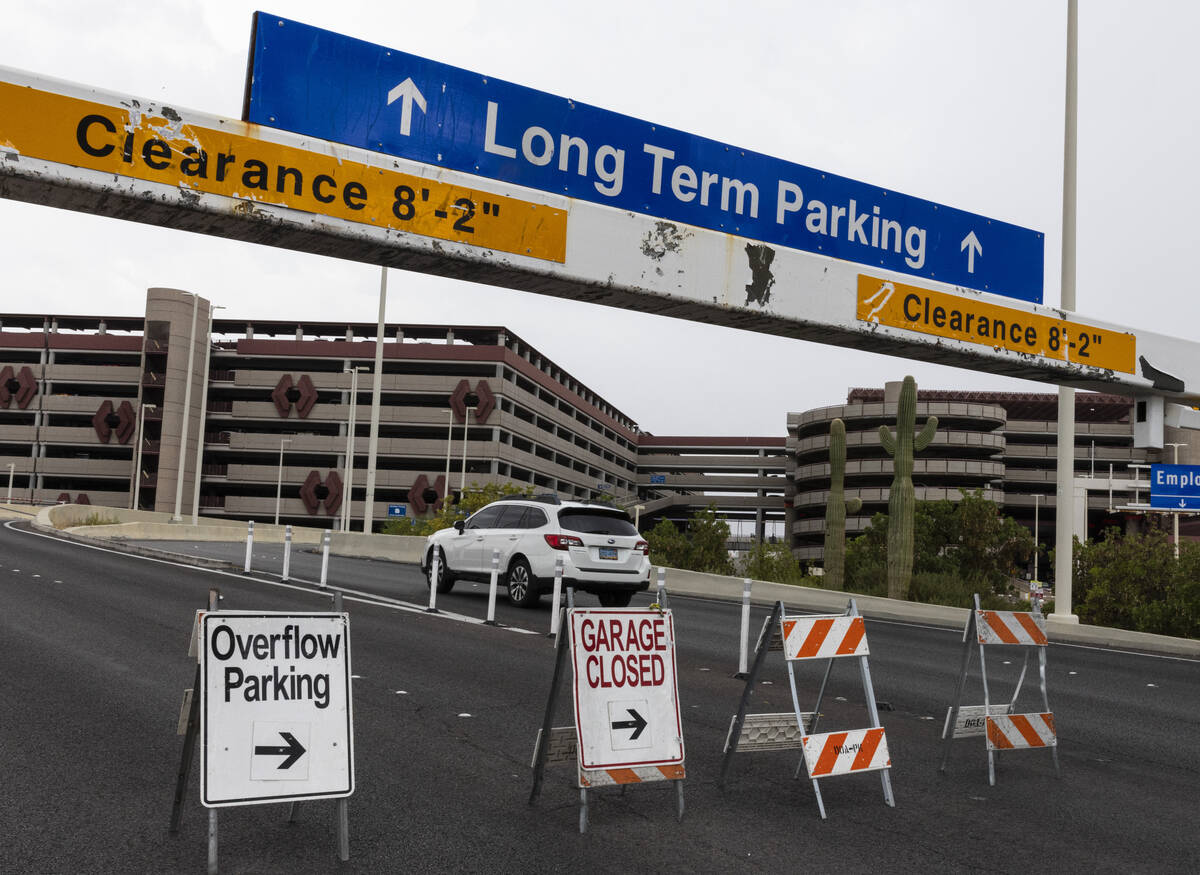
(1175, 516)
(462, 482)
(137, 468)
(449, 441)
(11, 465)
(279, 478)
(187, 407)
(376, 389)
(350, 425)
(203, 417)
(1037, 500)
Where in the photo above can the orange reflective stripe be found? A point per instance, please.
(624, 776)
(788, 626)
(829, 754)
(866, 753)
(1048, 719)
(672, 773)
(816, 637)
(996, 736)
(998, 626)
(1021, 723)
(1030, 626)
(854, 635)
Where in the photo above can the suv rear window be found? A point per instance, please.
(595, 522)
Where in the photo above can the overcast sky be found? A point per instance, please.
(959, 102)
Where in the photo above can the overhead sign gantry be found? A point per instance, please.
(709, 234)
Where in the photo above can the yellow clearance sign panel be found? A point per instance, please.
(161, 148)
(958, 318)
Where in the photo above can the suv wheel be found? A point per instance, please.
(446, 578)
(522, 591)
(615, 599)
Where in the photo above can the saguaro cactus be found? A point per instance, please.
(901, 504)
(837, 508)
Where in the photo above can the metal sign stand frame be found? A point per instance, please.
(972, 636)
(559, 745)
(789, 731)
(195, 706)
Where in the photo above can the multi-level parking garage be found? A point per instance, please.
(78, 395)
(1003, 443)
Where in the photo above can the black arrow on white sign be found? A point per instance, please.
(293, 751)
(637, 724)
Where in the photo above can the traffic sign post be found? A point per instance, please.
(627, 728)
(276, 721)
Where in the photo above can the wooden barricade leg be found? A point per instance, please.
(952, 718)
(760, 655)
(543, 739)
(1046, 705)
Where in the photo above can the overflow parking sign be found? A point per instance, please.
(276, 720)
(626, 691)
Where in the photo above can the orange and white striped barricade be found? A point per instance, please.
(627, 727)
(826, 755)
(1000, 724)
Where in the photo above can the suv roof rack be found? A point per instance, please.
(544, 498)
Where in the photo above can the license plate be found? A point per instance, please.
(608, 552)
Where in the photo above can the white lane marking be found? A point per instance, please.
(401, 692)
(464, 715)
(358, 596)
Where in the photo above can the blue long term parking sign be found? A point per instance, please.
(321, 84)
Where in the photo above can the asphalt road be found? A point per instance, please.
(93, 663)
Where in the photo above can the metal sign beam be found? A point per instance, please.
(77, 148)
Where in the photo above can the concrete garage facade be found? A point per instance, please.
(82, 386)
(1003, 443)
(80, 394)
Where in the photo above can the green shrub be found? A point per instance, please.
(1134, 582)
(773, 562)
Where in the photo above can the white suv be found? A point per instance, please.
(601, 550)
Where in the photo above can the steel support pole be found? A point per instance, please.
(187, 407)
(279, 477)
(1064, 511)
(744, 639)
(376, 389)
(10, 478)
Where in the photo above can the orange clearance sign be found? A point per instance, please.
(957, 317)
(158, 146)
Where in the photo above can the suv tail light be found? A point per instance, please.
(643, 546)
(563, 542)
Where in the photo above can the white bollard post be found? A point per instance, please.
(325, 556)
(743, 650)
(558, 582)
(249, 545)
(662, 588)
(491, 617)
(434, 569)
(287, 550)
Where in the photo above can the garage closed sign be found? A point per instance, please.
(626, 690)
